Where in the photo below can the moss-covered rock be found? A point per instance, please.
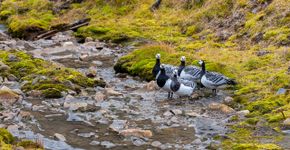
(44, 76)
(6, 137)
(27, 144)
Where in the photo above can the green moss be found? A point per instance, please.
(6, 137)
(51, 93)
(44, 76)
(253, 146)
(27, 144)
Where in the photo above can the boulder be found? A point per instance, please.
(112, 92)
(73, 104)
(243, 112)
(59, 137)
(151, 86)
(228, 100)
(221, 107)
(286, 123)
(137, 133)
(7, 96)
(99, 96)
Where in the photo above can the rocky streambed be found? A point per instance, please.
(127, 113)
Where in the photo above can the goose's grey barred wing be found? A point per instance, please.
(189, 83)
(191, 72)
(169, 69)
(217, 79)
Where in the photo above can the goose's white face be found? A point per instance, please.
(162, 66)
(200, 62)
(175, 72)
(183, 58)
(157, 56)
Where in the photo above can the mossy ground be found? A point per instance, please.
(8, 142)
(228, 34)
(44, 76)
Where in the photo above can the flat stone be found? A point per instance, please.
(99, 96)
(111, 92)
(59, 137)
(118, 125)
(243, 112)
(286, 123)
(221, 107)
(137, 133)
(151, 86)
(281, 91)
(108, 144)
(228, 100)
(192, 114)
(156, 144)
(177, 111)
(167, 114)
(8, 96)
(95, 143)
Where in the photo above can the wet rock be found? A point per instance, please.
(89, 39)
(286, 123)
(88, 108)
(112, 92)
(137, 133)
(228, 100)
(11, 77)
(95, 143)
(68, 44)
(243, 112)
(7, 96)
(73, 117)
(176, 111)
(59, 137)
(168, 114)
(3, 67)
(281, 91)
(25, 115)
(73, 104)
(100, 96)
(37, 107)
(12, 58)
(53, 115)
(13, 127)
(87, 135)
(107, 144)
(221, 107)
(156, 144)
(192, 114)
(174, 119)
(118, 125)
(151, 86)
(262, 53)
(121, 75)
(34, 93)
(92, 72)
(98, 63)
(138, 141)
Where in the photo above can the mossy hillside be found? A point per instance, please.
(44, 76)
(8, 142)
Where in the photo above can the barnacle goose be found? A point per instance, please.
(181, 87)
(164, 81)
(213, 80)
(156, 69)
(191, 73)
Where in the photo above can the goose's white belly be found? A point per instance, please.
(184, 90)
(166, 87)
(186, 76)
(207, 83)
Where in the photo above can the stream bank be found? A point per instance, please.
(102, 117)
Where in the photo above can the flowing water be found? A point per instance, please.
(135, 107)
